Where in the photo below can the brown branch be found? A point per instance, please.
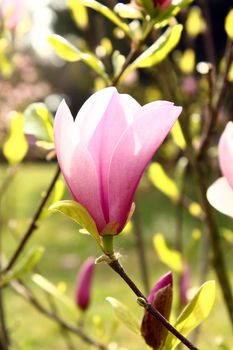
(33, 225)
(21, 289)
(115, 265)
(215, 109)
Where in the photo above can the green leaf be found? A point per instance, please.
(25, 266)
(194, 313)
(76, 212)
(178, 136)
(69, 52)
(55, 196)
(79, 13)
(171, 258)
(107, 12)
(127, 11)
(15, 147)
(124, 314)
(160, 49)
(39, 122)
(162, 181)
(50, 288)
(229, 24)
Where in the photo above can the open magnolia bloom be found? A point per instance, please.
(103, 153)
(220, 193)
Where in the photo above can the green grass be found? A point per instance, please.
(66, 249)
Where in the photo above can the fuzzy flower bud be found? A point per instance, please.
(83, 284)
(160, 297)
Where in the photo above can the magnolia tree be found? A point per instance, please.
(102, 154)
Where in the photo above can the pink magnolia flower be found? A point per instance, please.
(160, 297)
(11, 11)
(220, 193)
(103, 153)
(83, 284)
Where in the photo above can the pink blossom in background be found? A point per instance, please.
(83, 284)
(220, 193)
(160, 297)
(162, 3)
(11, 11)
(104, 152)
(184, 284)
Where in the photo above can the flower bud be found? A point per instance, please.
(84, 282)
(160, 297)
(163, 4)
(184, 285)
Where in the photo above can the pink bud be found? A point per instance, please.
(104, 152)
(83, 285)
(11, 11)
(184, 285)
(162, 3)
(220, 193)
(160, 297)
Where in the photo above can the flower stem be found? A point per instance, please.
(115, 265)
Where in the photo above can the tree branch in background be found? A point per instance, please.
(33, 225)
(21, 289)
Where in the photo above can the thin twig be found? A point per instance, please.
(132, 54)
(33, 224)
(21, 289)
(141, 250)
(214, 110)
(115, 265)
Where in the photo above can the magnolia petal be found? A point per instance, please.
(84, 185)
(119, 113)
(226, 153)
(130, 106)
(92, 112)
(220, 196)
(64, 136)
(132, 154)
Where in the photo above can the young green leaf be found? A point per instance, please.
(229, 24)
(50, 288)
(69, 52)
(107, 12)
(193, 314)
(39, 122)
(177, 136)
(25, 266)
(162, 181)
(170, 257)
(124, 314)
(127, 11)
(79, 13)
(76, 212)
(160, 49)
(15, 147)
